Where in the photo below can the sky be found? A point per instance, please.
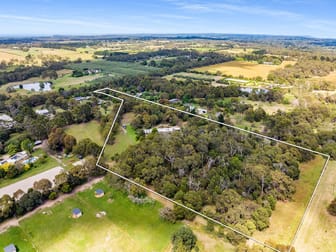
(102, 17)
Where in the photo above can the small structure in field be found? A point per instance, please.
(10, 248)
(99, 193)
(100, 214)
(76, 213)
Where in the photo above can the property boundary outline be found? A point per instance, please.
(101, 91)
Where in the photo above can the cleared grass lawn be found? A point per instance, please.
(67, 80)
(48, 164)
(89, 130)
(126, 226)
(92, 131)
(16, 236)
(287, 215)
(243, 68)
(122, 141)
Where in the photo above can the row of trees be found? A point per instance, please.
(21, 202)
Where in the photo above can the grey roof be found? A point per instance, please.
(10, 248)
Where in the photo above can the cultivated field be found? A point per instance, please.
(243, 69)
(114, 68)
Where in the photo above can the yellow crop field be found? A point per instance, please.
(243, 68)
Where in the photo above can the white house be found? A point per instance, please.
(44, 112)
(163, 130)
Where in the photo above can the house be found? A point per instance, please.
(76, 213)
(10, 248)
(17, 157)
(163, 130)
(99, 193)
(44, 112)
(201, 111)
(81, 98)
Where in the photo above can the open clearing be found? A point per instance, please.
(319, 224)
(126, 226)
(67, 81)
(243, 68)
(91, 130)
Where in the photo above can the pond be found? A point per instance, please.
(36, 86)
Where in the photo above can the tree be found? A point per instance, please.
(184, 240)
(27, 145)
(69, 143)
(6, 207)
(43, 185)
(332, 207)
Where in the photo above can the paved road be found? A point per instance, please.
(27, 183)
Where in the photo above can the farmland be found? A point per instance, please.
(242, 69)
(37, 54)
(114, 68)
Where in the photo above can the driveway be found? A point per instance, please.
(27, 183)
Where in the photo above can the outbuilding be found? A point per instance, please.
(76, 213)
(99, 193)
(10, 248)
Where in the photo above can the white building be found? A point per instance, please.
(44, 112)
(201, 111)
(163, 130)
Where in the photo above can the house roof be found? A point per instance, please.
(10, 248)
(99, 191)
(76, 211)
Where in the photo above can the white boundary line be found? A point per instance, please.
(101, 91)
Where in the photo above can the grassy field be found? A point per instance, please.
(92, 131)
(115, 68)
(89, 130)
(67, 81)
(243, 68)
(126, 226)
(122, 141)
(319, 230)
(50, 163)
(287, 215)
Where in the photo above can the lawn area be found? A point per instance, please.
(126, 226)
(92, 131)
(48, 164)
(122, 141)
(287, 215)
(243, 68)
(16, 236)
(89, 130)
(114, 68)
(67, 81)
